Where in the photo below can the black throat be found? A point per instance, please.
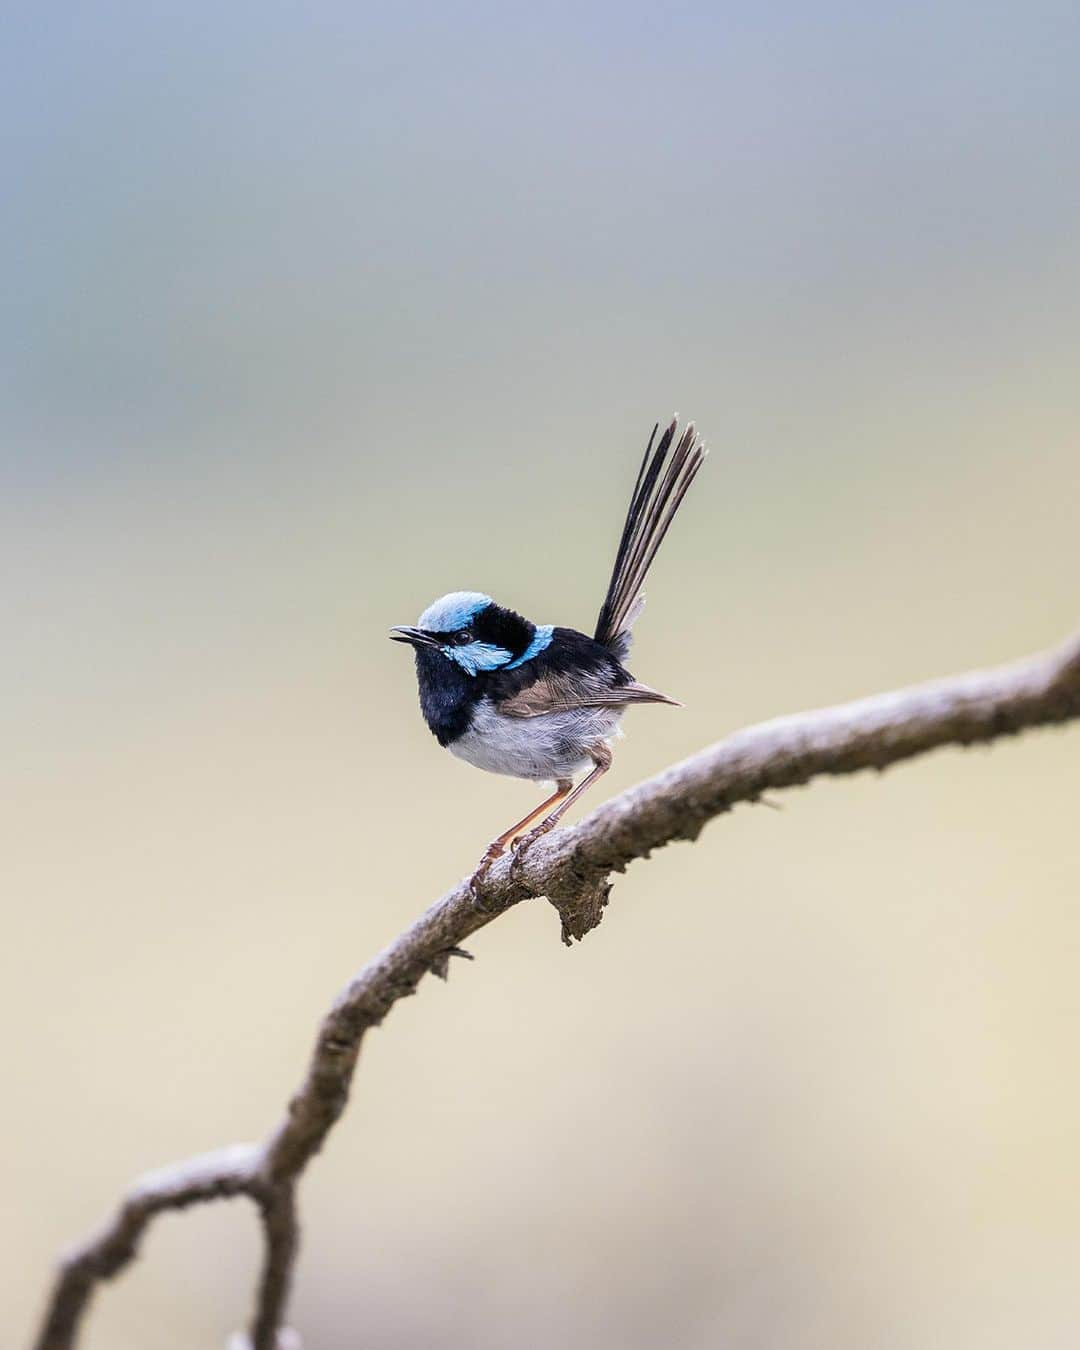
(447, 694)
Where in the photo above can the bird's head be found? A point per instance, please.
(471, 630)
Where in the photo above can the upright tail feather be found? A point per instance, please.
(658, 494)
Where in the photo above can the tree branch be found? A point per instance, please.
(211, 1176)
(282, 1233)
(572, 868)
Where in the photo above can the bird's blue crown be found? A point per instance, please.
(452, 612)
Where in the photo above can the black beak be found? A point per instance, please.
(416, 637)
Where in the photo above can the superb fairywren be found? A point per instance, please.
(539, 702)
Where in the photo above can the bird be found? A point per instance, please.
(541, 702)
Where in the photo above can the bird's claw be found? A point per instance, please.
(523, 843)
(519, 847)
(482, 869)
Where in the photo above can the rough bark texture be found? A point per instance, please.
(572, 867)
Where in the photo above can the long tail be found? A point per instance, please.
(657, 496)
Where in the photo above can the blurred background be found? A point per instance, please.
(314, 312)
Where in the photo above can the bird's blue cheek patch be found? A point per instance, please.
(477, 656)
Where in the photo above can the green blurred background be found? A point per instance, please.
(312, 313)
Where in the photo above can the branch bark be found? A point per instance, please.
(572, 867)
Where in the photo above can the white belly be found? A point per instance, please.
(544, 748)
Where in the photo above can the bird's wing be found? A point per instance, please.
(562, 691)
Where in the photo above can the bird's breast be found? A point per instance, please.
(544, 748)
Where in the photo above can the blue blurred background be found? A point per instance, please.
(313, 312)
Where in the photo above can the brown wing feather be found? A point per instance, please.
(561, 693)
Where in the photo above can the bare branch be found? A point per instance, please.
(211, 1176)
(282, 1233)
(572, 868)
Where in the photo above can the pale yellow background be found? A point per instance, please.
(312, 313)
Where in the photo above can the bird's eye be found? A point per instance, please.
(463, 638)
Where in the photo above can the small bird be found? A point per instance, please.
(539, 702)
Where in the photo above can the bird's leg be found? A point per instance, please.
(601, 756)
(497, 847)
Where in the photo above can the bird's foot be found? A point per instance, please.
(524, 842)
(483, 867)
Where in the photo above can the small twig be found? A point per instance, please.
(572, 868)
(211, 1176)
